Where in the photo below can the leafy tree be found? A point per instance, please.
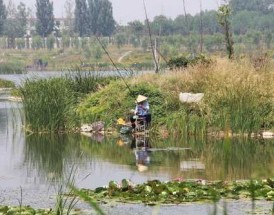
(145, 43)
(20, 43)
(134, 41)
(69, 16)
(136, 28)
(251, 5)
(50, 42)
(45, 17)
(120, 40)
(180, 25)
(97, 51)
(22, 19)
(81, 18)
(37, 42)
(161, 25)
(101, 21)
(243, 21)
(16, 23)
(66, 41)
(10, 26)
(3, 16)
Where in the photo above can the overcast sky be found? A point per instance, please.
(125, 11)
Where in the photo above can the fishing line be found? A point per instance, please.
(112, 62)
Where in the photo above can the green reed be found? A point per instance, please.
(50, 104)
(241, 110)
(185, 122)
(11, 68)
(6, 84)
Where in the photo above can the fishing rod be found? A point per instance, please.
(112, 62)
(151, 43)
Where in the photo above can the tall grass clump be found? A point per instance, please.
(6, 84)
(48, 105)
(86, 82)
(11, 68)
(240, 98)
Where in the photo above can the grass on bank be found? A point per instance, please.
(50, 104)
(6, 84)
(238, 98)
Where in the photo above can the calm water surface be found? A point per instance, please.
(39, 163)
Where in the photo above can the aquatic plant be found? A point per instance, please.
(176, 192)
(50, 104)
(6, 84)
(11, 68)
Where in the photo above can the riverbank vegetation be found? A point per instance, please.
(238, 99)
(6, 84)
(49, 104)
(176, 192)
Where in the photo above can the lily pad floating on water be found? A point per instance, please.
(177, 192)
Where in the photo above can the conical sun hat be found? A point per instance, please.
(141, 98)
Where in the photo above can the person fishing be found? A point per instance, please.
(141, 112)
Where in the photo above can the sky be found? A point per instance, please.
(125, 11)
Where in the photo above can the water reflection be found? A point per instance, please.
(141, 148)
(52, 155)
(28, 159)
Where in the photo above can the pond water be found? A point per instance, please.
(38, 164)
(18, 79)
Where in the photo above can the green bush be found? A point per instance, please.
(11, 68)
(6, 84)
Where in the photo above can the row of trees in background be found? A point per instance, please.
(251, 21)
(88, 17)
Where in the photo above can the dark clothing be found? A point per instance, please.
(147, 119)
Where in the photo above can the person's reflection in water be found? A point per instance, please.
(140, 145)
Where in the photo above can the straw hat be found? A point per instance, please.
(141, 98)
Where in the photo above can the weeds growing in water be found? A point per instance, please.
(50, 104)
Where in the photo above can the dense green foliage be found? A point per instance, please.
(184, 61)
(94, 17)
(11, 68)
(176, 192)
(16, 23)
(50, 104)
(236, 99)
(81, 18)
(3, 16)
(265, 6)
(100, 17)
(119, 102)
(6, 84)
(45, 17)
